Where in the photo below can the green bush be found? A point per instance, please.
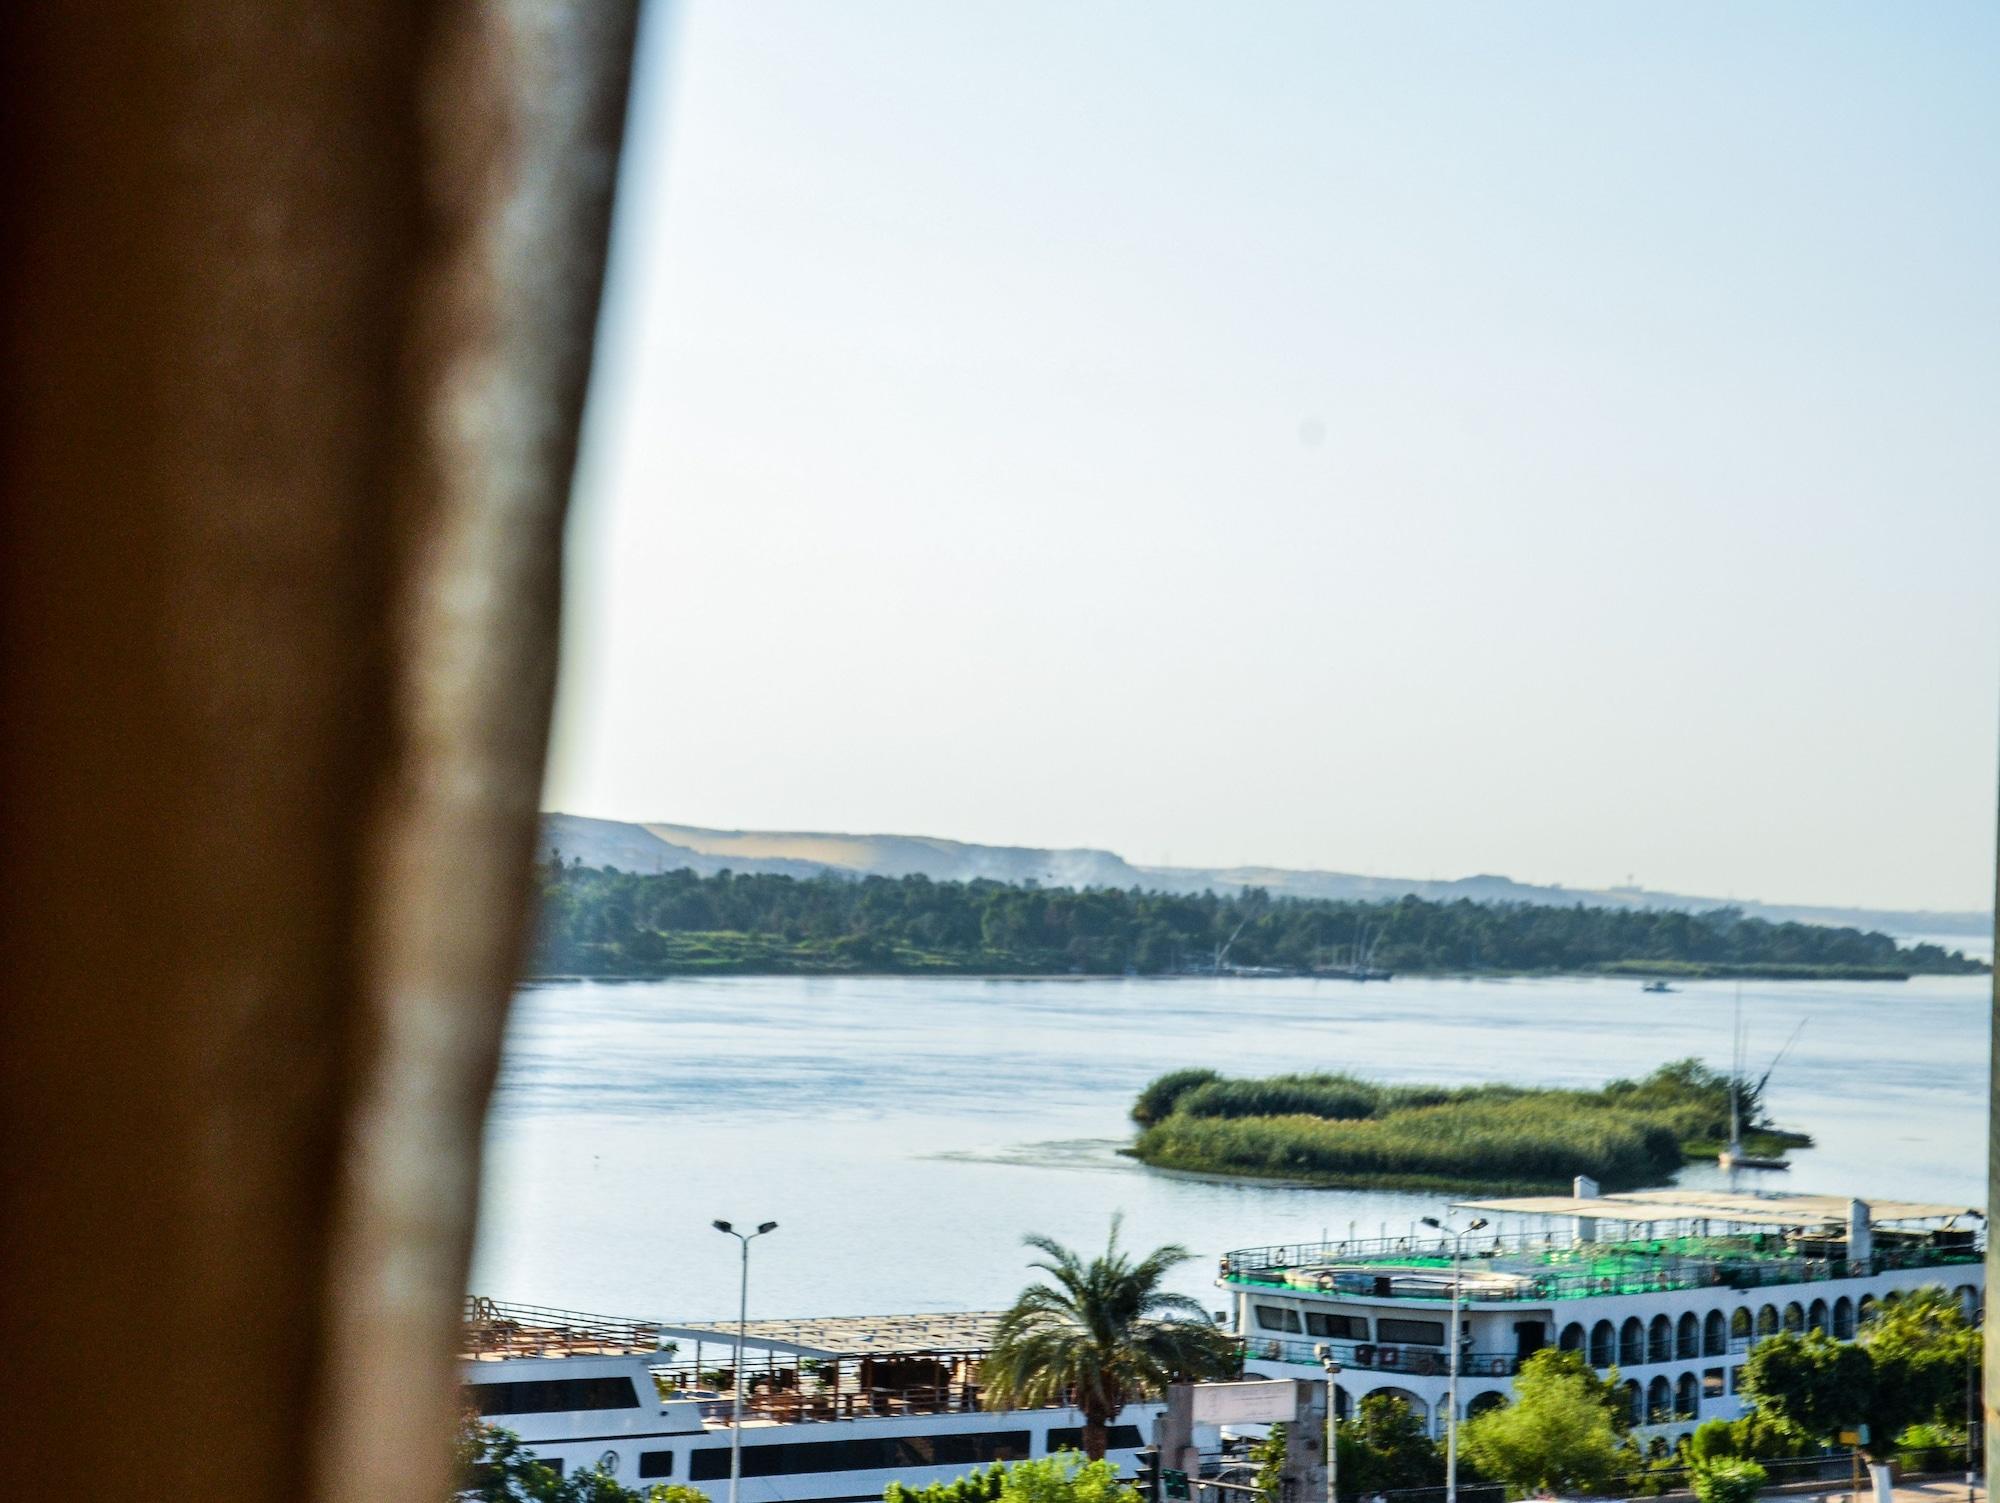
(1754, 1437)
(1336, 1097)
(1928, 1446)
(1729, 1480)
(1163, 1095)
(1064, 1477)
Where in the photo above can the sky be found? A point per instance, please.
(1413, 439)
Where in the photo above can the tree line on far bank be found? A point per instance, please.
(600, 921)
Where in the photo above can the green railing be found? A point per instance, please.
(1572, 1271)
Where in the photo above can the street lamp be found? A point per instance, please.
(1332, 1366)
(742, 1323)
(1458, 1236)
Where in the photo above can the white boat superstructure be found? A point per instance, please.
(1670, 1287)
(835, 1409)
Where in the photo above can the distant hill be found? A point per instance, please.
(670, 847)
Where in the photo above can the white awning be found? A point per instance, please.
(1777, 1210)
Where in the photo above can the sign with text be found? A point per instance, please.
(1266, 1403)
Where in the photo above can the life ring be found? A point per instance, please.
(1388, 1356)
(1497, 1367)
(1364, 1356)
(1325, 1281)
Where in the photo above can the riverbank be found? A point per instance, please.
(1636, 970)
(602, 922)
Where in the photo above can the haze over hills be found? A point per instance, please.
(660, 847)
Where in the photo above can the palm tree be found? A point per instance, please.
(1103, 1330)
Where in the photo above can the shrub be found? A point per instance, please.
(1164, 1094)
(1064, 1477)
(1729, 1480)
(1929, 1447)
(1336, 1097)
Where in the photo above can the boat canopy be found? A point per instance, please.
(1776, 1209)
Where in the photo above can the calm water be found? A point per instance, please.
(907, 1133)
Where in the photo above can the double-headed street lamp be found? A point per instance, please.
(1332, 1365)
(1458, 1236)
(742, 1325)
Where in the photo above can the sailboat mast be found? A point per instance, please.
(1735, 1076)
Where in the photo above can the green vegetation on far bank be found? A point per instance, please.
(1341, 1131)
(600, 922)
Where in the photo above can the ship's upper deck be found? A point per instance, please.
(1639, 1243)
(827, 1368)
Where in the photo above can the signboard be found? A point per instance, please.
(1263, 1403)
(1173, 1484)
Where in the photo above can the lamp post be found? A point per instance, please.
(736, 1373)
(1332, 1366)
(1458, 1236)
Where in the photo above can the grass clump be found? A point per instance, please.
(1339, 1130)
(1160, 1098)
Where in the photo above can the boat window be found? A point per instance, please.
(551, 1395)
(1735, 1379)
(1117, 1438)
(1711, 1383)
(1411, 1332)
(1347, 1327)
(1277, 1318)
(875, 1454)
(656, 1463)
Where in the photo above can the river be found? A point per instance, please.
(906, 1133)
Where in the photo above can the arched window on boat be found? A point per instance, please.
(1740, 1328)
(1604, 1344)
(1862, 1309)
(1687, 1396)
(1631, 1342)
(1574, 1338)
(1715, 1335)
(1660, 1339)
(1795, 1318)
(1636, 1396)
(1659, 1402)
(1843, 1319)
(1767, 1321)
(1687, 1336)
(1481, 1402)
(1415, 1405)
(1816, 1316)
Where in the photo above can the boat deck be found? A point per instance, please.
(1670, 1240)
(794, 1371)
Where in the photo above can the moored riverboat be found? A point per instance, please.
(1669, 1287)
(834, 1409)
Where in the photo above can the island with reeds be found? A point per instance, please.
(1340, 1131)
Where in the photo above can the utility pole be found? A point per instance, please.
(1458, 1236)
(742, 1329)
(1332, 1366)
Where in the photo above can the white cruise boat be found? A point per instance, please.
(1671, 1287)
(834, 1409)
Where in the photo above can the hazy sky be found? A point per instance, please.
(1548, 439)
